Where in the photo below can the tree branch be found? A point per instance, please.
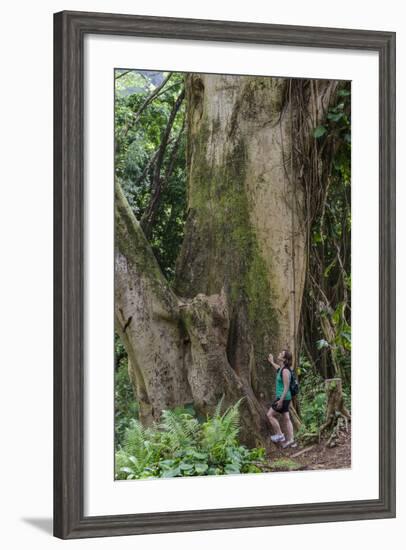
(157, 182)
(149, 99)
(123, 74)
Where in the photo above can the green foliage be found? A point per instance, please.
(285, 464)
(342, 337)
(181, 446)
(219, 434)
(319, 131)
(313, 413)
(138, 137)
(180, 429)
(313, 399)
(327, 296)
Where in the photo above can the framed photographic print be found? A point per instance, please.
(224, 274)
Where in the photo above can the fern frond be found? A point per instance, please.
(137, 442)
(217, 410)
(180, 427)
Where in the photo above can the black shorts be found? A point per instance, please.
(285, 406)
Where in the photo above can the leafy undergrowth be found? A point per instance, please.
(181, 446)
(312, 403)
(284, 465)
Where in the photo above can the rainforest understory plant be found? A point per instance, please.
(180, 445)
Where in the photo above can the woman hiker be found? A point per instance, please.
(283, 399)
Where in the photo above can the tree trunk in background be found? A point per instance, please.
(241, 270)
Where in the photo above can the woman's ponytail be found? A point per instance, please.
(287, 358)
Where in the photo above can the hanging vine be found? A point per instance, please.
(319, 162)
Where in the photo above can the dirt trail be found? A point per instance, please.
(313, 457)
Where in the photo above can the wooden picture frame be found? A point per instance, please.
(70, 29)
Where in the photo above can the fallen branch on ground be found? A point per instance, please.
(303, 451)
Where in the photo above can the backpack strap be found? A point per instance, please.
(290, 371)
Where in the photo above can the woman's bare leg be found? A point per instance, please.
(274, 422)
(289, 426)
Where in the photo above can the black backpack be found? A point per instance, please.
(294, 383)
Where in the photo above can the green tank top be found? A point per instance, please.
(280, 386)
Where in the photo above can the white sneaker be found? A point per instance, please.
(277, 438)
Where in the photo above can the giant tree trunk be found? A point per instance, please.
(241, 270)
(243, 209)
